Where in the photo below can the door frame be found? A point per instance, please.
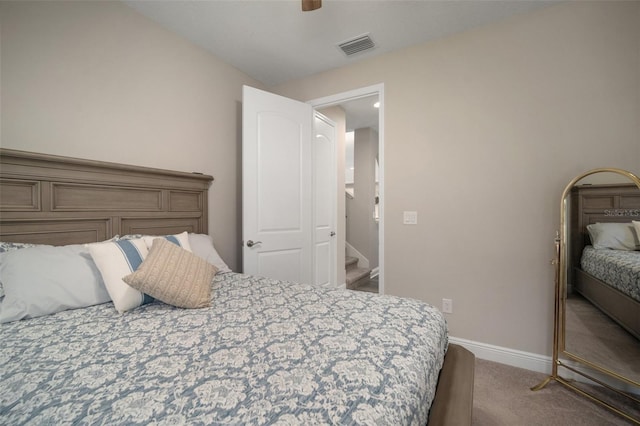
(336, 99)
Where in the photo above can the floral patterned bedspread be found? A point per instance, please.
(266, 352)
(618, 268)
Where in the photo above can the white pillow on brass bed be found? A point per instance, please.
(614, 236)
(202, 246)
(43, 279)
(174, 276)
(116, 259)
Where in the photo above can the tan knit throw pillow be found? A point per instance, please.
(174, 276)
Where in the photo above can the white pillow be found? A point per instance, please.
(44, 279)
(181, 240)
(9, 246)
(202, 246)
(636, 225)
(615, 236)
(117, 259)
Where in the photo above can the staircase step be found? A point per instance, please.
(356, 274)
(350, 260)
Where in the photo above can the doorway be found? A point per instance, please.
(351, 102)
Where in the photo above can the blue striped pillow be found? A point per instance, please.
(117, 259)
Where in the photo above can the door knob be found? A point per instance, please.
(331, 234)
(251, 243)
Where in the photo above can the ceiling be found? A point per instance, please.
(361, 113)
(273, 41)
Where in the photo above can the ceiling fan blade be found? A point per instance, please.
(308, 5)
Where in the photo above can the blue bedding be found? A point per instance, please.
(618, 268)
(265, 352)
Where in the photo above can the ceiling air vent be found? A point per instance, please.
(357, 45)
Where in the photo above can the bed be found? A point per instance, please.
(261, 351)
(607, 271)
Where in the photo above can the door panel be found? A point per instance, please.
(280, 191)
(278, 264)
(277, 186)
(324, 202)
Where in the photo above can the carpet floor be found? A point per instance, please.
(502, 396)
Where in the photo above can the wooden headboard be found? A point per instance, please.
(47, 199)
(599, 203)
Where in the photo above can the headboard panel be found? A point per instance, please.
(57, 200)
(599, 203)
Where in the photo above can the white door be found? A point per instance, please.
(324, 201)
(278, 187)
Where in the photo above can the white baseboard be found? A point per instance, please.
(533, 362)
(512, 357)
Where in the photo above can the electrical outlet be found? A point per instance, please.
(447, 306)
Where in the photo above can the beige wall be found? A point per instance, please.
(362, 229)
(98, 80)
(482, 132)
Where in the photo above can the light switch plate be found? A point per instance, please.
(447, 306)
(410, 218)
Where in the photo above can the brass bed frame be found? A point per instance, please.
(47, 199)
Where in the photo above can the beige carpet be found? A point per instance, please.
(502, 397)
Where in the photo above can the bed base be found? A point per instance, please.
(623, 309)
(453, 403)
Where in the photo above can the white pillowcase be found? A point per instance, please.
(181, 240)
(615, 236)
(44, 279)
(9, 246)
(202, 246)
(117, 259)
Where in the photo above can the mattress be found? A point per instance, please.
(617, 268)
(265, 352)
